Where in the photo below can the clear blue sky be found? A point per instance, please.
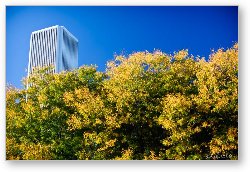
(105, 31)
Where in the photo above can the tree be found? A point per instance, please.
(146, 106)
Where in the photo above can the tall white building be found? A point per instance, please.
(53, 46)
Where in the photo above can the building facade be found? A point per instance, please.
(54, 46)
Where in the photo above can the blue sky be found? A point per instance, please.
(103, 31)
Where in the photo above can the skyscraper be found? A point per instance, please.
(53, 46)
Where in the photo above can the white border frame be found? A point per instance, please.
(243, 164)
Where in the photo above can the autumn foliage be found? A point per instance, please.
(151, 106)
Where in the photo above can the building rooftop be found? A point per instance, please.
(53, 27)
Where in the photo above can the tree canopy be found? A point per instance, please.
(151, 106)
